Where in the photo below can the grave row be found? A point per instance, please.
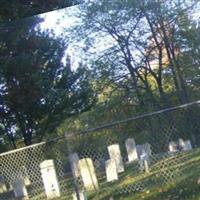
(85, 169)
(180, 145)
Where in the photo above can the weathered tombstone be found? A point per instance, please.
(3, 187)
(147, 148)
(19, 188)
(144, 161)
(25, 175)
(172, 147)
(74, 164)
(49, 178)
(139, 149)
(111, 170)
(131, 150)
(114, 153)
(181, 144)
(188, 145)
(81, 196)
(88, 174)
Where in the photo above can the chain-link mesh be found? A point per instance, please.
(25, 163)
(154, 156)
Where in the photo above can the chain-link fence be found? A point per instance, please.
(154, 156)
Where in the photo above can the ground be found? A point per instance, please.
(170, 177)
(173, 177)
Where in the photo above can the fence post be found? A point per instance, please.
(75, 182)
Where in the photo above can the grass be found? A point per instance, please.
(172, 177)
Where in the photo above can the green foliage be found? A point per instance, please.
(37, 90)
(165, 73)
(15, 10)
(150, 61)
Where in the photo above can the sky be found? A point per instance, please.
(66, 18)
(59, 19)
(56, 21)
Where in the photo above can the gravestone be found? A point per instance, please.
(49, 178)
(188, 145)
(131, 150)
(88, 175)
(181, 144)
(3, 187)
(74, 164)
(19, 188)
(141, 148)
(147, 148)
(111, 170)
(114, 153)
(185, 145)
(144, 161)
(26, 177)
(172, 147)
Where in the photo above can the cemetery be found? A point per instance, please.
(100, 101)
(142, 163)
(145, 162)
(141, 173)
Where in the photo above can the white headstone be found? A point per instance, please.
(19, 188)
(114, 153)
(139, 149)
(111, 170)
(147, 148)
(74, 164)
(131, 149)
(144, 161)
(181, 144)
(25, 175)
(172, 147)
(144, 148)
(144, 155)
(49, 178)
(3, 187)
(88, 174)
(188, 145)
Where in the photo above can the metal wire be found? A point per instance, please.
(135, 156)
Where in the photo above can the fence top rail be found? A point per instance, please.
(108, 125)
(21, 149)
(104, 126)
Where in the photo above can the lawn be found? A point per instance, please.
(171, 177)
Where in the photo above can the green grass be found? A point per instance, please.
(172, 177)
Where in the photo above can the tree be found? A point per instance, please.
(16, 10)
(37, 90)
(141, 33)
(149, 59)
